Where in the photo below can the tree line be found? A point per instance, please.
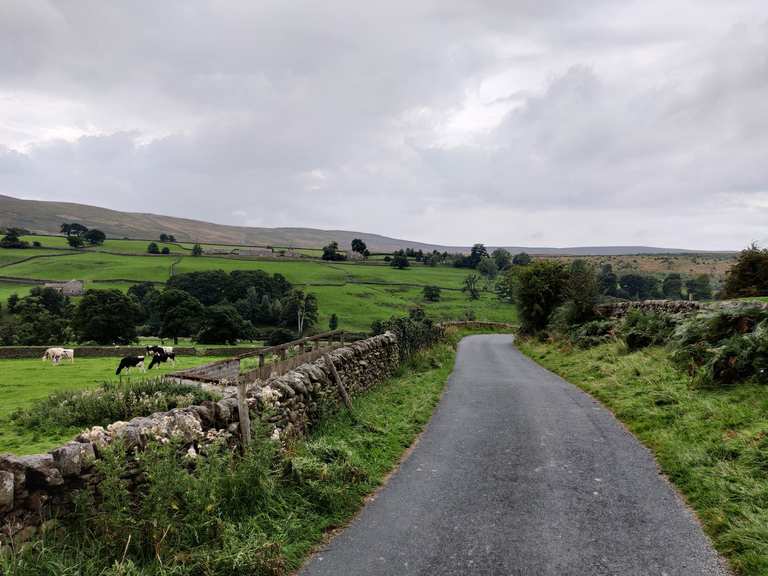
(210, 307)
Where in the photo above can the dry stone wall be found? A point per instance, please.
(620, 309)
(35, 488)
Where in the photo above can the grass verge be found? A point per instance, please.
(259, 514)
(711, 443)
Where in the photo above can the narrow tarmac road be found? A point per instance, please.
(521, 473)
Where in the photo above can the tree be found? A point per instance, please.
(582, 291)
(106, 317)
(672, 287)
(73, 229)
(399, 260)
(431, 293)
(300, 309)
(505, 287)
(35, 324)
(222, 324)
(65, 228)
(522, 259)
(470, 286)
(488, 270)
(12, 240)
(13, 302)
(165, 250)
(94, 237)
(163, 237)
(502, 258)
(197, 250)
(153, 248)
(331, 252)
(333, 322)
(171, 238)
(75, 241)
(208, 286)
(50, 299)
(639, 287)
(539, 288)
(360, 247)
(699, 288)
(177, 313)
(749, 275)
(607, 281)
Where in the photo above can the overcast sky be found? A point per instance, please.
(509, 122)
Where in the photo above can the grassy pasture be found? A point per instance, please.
(24, 381)
(711, 443)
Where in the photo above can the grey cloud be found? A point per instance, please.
(339, 115)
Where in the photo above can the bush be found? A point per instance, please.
(592, 333)
(280, 336)
(431, 293)
(749, 276)
(643, 329)
(724, 347)
(108, 403)
(413, 332)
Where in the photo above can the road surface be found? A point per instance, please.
(521, 473)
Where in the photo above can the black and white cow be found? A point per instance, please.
(162, 357)
(130, 362)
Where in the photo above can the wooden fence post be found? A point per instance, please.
(341, 338)
(243, 413)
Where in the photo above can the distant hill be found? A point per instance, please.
(46, 217)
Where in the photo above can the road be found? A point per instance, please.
(521, 473)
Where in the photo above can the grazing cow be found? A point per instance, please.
(54, 355)
(130, 362)
(162, 357)
(69, 354)
(152, 350)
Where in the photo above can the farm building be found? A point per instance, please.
(71, 288)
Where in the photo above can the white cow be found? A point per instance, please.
(54, 355)
(69, 354)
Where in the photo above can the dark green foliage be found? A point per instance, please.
(592, 333)
(700, 287)
(197, 250)
(94, 237)
(399, 260)
(280, 336)
(299, 309)
(333, 322)
(165, 250)
(476, 255)
(208, 286)
(75, 241)
(13, 301)
(106, 317)
(414, 332)
(639, 287)
(522, 259)
(502, 258)
(153, 248)
(608, 281)
(12, 240)
(582, 291)
(672, 287)
(360, 247)
(539, 288)
(431, 293)
(331, 252)
(488, 270)
(642, 329)
(42, 318)
(275, 285)
(749, 275)
(176, 313)
(73, 229)
(222, 323)
(724, 347)
(167, 238)
(111, 402)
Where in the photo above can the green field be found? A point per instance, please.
(24, 381)
(358, 293)
(711, 443)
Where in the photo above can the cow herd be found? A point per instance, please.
(159, 355)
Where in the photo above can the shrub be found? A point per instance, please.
(643, 329)
(749, 276)
(431, 293)
(108, 403)
(280, 336)
(724, 347)
(592, 333)
(414, 332)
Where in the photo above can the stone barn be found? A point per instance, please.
(71, 288)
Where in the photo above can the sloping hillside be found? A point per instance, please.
(46, 217)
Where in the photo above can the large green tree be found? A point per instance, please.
(672, 287)
(106, 317)
(540, 287)
(749, 275)
(177, 314)
(222, 324)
